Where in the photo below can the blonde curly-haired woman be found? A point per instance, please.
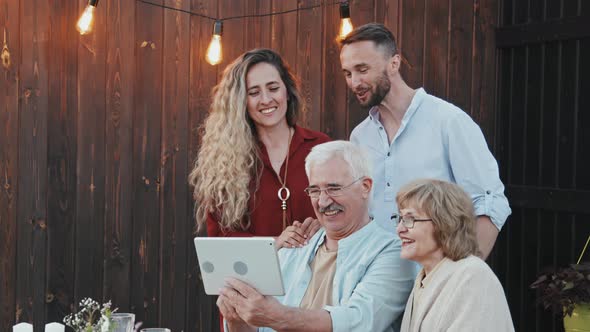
(249, 175)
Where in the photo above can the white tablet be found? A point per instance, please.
(250, 259)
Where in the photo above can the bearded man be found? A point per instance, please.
(411, 134)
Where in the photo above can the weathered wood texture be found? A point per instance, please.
(541, 145)
(98, 132)
(9, 106)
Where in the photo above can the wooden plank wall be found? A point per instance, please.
(542, 145)
(98, 133)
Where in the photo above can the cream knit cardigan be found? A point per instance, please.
(464, 295)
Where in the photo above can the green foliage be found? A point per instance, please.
(560, 290)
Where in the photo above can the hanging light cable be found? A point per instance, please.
(214, 50)
(345, 23)
(86, 21)
(214, 54)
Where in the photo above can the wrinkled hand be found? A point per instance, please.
(233, 320)
(248, 304)
(227, 310)
(298, 234)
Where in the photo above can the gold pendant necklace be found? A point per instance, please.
(284, 193)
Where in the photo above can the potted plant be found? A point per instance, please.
(566, 291)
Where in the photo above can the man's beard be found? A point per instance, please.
(383, 85)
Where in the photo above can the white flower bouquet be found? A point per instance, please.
(91, 317)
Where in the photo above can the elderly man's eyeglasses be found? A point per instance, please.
(332, 191)
(408, 221)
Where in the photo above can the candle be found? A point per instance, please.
(22, 327)
(54, 327)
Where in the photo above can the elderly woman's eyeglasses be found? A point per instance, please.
(332, 191)
(408, 221)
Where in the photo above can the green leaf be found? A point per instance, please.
(568, 285)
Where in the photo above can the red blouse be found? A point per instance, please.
(266, 214)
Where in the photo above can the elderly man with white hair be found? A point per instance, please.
(348, 278)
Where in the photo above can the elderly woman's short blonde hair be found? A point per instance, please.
(451, 211)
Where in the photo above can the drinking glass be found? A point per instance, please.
(123, 321)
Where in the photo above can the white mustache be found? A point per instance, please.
(332, 207)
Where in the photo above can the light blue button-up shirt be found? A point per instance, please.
(371, 284)
(437, 140)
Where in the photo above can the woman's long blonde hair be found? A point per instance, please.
(228, 159)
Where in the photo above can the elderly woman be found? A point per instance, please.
(455, 290)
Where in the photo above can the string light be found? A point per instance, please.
(86, 21)
(214, 51)
(345, 22)
(214, 54)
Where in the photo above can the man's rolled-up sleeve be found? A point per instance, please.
(475, 169)
(379, 299)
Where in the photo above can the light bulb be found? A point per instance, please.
(345, 22)
(345, 27)
(214, 50)
(214, 54)
(86, 21)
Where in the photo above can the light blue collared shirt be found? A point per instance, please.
(437, 140)
(371, 284)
